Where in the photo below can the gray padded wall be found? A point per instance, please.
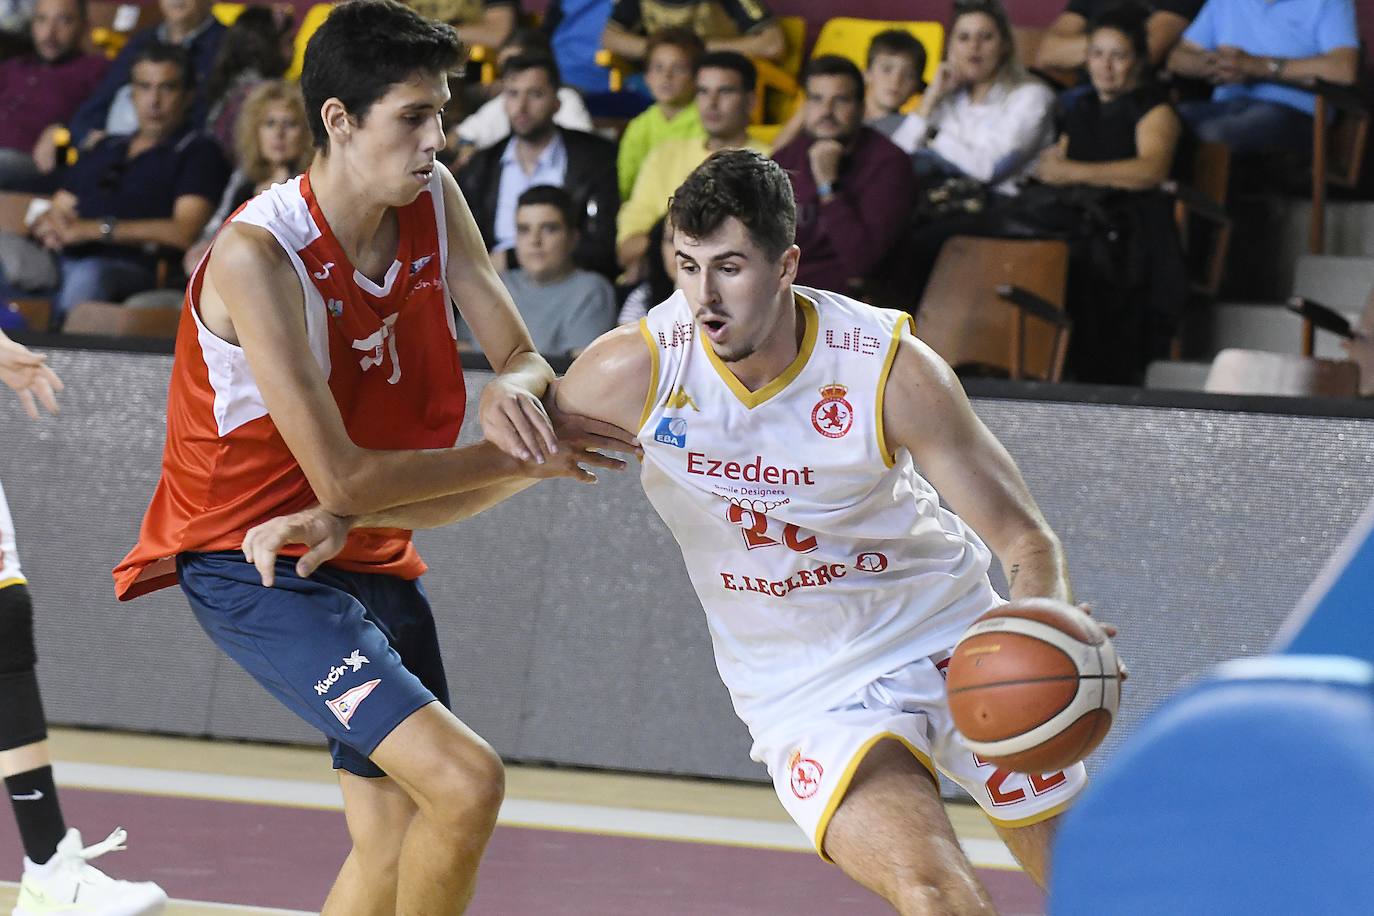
(569, 628)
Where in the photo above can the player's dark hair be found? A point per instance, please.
(533, 60)
(898, 41)
(158, 52)
(363, 49)
(730, 60)
(740, 183)
(835, 65)
(555, 197)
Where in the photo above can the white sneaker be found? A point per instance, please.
(68, 886)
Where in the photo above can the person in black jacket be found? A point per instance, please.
(538, 152)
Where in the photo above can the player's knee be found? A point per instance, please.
(466, 792)
(17, 653)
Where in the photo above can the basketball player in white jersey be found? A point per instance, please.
(781, 429)
(57, 876)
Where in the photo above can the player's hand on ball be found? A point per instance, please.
(1110, 630)
(514, 420)
(322, 532)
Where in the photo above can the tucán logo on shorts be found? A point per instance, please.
(353, 662)
(348, 702)
(806, 775)
(672, 431)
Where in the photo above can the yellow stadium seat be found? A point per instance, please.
(227, 13)
(849, 37)
(312, 20)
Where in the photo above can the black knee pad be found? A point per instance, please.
(21, 706)
(17, 653)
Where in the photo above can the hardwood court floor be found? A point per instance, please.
(237, 827)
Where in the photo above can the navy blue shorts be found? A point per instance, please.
(351, 653)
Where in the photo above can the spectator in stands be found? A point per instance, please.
(660, 275)
(744, 26)
(130, 196)
(14, 27)
(1065, 45)
(1255, 53)
(896, 60)
(487, 23)
(669, 70)
(40, 90)
(574, 28)
(271, 145)
(537, 152)
(724, 98)
(1127, 281)
(489, 124)
(564, 308)
(110, 109)
(982, 117)
(853, 186)
(256, 48)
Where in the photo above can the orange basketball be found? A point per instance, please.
(1033, 685)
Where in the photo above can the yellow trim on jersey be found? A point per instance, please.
(752, 399)
(1034, 818)
(848, 775)
(904, 321)
(17, 580)
(651, 397)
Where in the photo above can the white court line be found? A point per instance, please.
(213, 905)
(515, 812)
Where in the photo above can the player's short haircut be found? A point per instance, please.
(730, 60)
(746, 185)
(898, 41)
(685, 40)
(533, 60)
(363, 49)
(158, 52)
(835, 65)
(555, 197)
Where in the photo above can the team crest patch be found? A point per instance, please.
(671, 431)
(832, 416)
(805, 775)
(346, 704)
(334, 307)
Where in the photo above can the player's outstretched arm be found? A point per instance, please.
(610, 382)
(510, 411)
(925, 410)
(252, 296)
(28, 374)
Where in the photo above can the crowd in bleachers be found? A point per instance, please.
(569, 135)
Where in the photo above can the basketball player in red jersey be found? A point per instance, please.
(782, 427)
(316, 362)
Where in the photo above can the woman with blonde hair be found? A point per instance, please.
(983, 117)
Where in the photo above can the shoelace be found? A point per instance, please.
(89, 874)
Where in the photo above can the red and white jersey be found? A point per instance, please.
(822, 560)
(10, 573)
(390, 357)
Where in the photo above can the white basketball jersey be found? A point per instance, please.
(822, 560)
(10, 573)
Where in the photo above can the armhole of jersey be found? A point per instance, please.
(436, 194)
(903, 322)
(650, 397)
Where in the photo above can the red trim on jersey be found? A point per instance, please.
(394, 371)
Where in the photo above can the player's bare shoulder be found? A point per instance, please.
(922, 393)
(247, 265)
(612, 378)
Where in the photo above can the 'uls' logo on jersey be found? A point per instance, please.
(832, 416)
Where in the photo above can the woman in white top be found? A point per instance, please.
(983, 116)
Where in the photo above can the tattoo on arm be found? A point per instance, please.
(1011, 579)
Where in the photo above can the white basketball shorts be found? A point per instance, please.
(813, 755)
